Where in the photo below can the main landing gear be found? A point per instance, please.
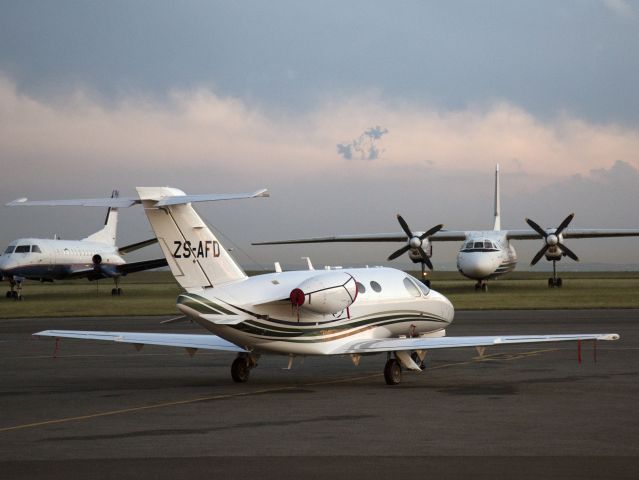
(554, 281)
(242, 366)
(117, 291)
(481, 285)
(392, 372)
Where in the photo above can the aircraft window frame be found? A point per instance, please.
(377, 288)
(9, 250)
(35, 249)
(361, 288)
(22, 249)
(411, 288)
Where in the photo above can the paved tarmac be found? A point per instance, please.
(101, 409)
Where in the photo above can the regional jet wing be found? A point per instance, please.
(133, 267)
(137, 246)
(206, 342)
(427, 343)
(577, 233)
(441, 236)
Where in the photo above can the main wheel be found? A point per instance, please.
(559, 282)
(551, 283)
(484, 287)
(393, 372)
(240, 370)
(8, 295)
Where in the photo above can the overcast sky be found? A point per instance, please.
(349, 112)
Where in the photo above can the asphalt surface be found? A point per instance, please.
(102, 410)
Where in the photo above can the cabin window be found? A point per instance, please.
(23, 249)
(376, 286)
(360, 287)
(411, 287)
(35, 249)
(9, 249)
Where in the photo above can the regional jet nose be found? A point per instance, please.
(477, 265)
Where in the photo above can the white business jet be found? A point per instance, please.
(347, 311)
(94, 257)
(484, 254)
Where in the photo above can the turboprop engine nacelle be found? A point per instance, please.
(326, 293)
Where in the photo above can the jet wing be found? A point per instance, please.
(576, 233)
(133, 267)
(206, 342)
(428, 343)
(137, 246)
(441, 236)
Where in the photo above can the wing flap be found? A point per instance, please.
(428, 343)
(194, 341)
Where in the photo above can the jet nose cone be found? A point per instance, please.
(476, 265)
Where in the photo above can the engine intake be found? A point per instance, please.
(325, 293)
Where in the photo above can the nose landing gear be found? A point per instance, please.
(481, 285)
(16, 290)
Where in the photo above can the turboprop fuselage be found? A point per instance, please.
(384, 303)
(485, 255)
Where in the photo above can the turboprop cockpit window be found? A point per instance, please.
(411, 287)
(23, 249)
(9, 249)
(35, 249)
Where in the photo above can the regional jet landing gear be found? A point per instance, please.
(555, 281)
(16, 290)
(481, 285)
(242, 366)
(117, 290)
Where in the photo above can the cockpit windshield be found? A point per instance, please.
(480, 245)
(9, 249)
(35, 249)
(23, 249)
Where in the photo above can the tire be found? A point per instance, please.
(392, 372)
(484, 287)
(551, 283)
(8, 295)
(559, 282)
(240, 370)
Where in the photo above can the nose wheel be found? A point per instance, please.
(481, 285)
(16, 291)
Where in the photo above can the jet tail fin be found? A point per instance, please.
(196, 257)
(497, 225)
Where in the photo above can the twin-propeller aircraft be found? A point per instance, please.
(484, 254)
(354, 312)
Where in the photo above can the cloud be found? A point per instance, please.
(201, 132)
(365, 145)
(620, 7)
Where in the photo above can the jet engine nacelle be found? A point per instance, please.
(326, 293)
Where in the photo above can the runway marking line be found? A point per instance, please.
(121, 411)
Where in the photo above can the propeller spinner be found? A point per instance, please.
(415, 242)
(552, 239)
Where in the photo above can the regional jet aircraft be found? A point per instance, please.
(483, 255)
(93, 257)
(352, 312)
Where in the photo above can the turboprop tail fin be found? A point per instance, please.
(497, 225)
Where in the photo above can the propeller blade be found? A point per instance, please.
(430, 232)
(564, 224)
(568, 252)
(425, 258)
(405, 226)
(536, 228)
(540, 254)
(399, 252)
